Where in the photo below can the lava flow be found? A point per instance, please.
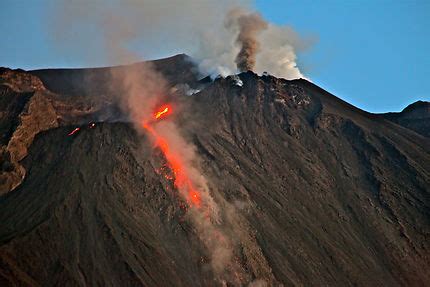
(74, 131)
(174, 159)
(164, 111)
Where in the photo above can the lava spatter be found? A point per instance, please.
(74, 131)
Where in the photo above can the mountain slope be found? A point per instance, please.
(416, 117)
(313, 191)
(329, 176)
(95, 81)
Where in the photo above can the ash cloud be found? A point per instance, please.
(250, 25)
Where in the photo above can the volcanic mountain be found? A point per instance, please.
(312, 190)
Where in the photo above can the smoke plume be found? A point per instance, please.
(249, 26)
(219, 36)
(141, 90)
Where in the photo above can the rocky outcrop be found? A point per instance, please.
(20, 81)
(27, 110)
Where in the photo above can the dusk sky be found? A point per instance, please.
(372, 54)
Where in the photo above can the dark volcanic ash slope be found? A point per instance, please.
(177, 69)
(320, 193)
(341, 196)
(416, 117)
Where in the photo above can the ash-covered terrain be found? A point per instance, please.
(309, 190)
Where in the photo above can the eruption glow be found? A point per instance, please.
(74, 131)
(182, 180)
(163, 112)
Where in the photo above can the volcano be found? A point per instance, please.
(312, 191)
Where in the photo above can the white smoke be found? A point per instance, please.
(278, 53)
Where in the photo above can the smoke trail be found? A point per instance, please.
(141, 90)
(250, 26)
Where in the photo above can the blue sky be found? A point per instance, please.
(373, 54)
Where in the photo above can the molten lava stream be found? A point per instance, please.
(182, 180)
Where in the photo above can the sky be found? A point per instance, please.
(373, 54)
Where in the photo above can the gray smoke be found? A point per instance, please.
(250, 25)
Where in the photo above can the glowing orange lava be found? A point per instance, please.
(181, 179)
(164, 111)
(74, 131)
